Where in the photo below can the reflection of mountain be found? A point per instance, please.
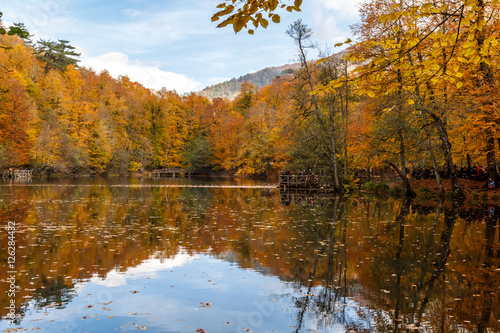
(404, 265)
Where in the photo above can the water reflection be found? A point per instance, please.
(324, 264)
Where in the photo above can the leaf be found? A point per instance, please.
(276, 18)
(459, 84)
(251, 32)
(370, 93)
(411, 102)
(238, 23)
(273, 4)
(320, 61)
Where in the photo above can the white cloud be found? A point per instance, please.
(148, 268)
(332, 17)
(346, 8)
(117, 63)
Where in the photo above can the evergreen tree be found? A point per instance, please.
(57, 55)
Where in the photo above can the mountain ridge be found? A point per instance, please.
(230, 88)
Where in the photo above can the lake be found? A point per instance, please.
(176, 255)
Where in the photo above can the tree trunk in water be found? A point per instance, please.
(406, 183)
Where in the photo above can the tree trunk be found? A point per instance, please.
(490, 156)
(443, 135)
(406, 183)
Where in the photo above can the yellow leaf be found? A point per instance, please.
(273, 4)
(370, 93)
(410, 102)
(320, 61)
(459, 84)
(276, 18)
(238, 24)
(337, 84)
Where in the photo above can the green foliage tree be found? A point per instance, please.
(57, 55)
(18, 29)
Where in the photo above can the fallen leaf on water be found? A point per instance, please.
(200, 330)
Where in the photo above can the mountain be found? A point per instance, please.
(259, 79)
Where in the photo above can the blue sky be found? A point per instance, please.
(173, 43)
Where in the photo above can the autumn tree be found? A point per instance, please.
(330, 113)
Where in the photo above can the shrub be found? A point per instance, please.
(382, 187)
(397, 192)
(369, 186)
(495, 196)
(376, 187)
(424, 190)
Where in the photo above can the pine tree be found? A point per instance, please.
(57, 55)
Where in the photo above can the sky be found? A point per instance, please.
(173, 43)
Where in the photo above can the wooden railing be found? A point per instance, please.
(17, 173)
(302, 181)
(168, 172)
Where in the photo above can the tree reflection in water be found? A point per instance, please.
(362, 264)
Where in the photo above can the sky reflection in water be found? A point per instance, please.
(101, 258)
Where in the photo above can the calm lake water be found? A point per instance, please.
(122, 255)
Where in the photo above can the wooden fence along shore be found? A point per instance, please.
(307, 182)
(17, 173)
(168, 172)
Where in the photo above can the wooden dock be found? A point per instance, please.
(17, 173)
(170, 172)
(306, 182)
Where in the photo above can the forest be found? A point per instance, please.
(417, 88)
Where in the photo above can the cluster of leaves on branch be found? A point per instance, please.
(241, 13)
